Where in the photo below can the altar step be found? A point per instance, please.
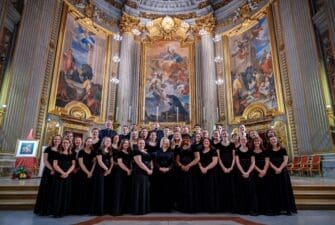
(23, 197)
(18, 197)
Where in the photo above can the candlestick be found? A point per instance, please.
(217, 113)
(143, 113)
(204, 113)
(116, 112)
(129, 113)
(177, 114)
(157, 113)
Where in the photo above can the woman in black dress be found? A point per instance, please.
(187, 175)
(216, 140)
(62, 189)
(134, 140)
(208, 178)
(76, 201)
(246, 200)
(261, 175)
(152, 145)
(95, 139)
(282, 200)
(142, 169)
(226, 153)
(44, 196)
(87, 161)
(122, 180)
(101, 200)
(162, 183)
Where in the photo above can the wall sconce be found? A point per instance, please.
(218, 59)
(114, 80)
(217, 38)
(116, 59)
(219, 82)
(117, 37)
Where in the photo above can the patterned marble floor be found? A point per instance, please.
(304, 217)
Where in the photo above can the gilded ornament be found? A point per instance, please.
(206, 23)
(128, 23)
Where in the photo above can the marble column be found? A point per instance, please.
(209, 89)
(313, 133)
(27, 71)
(126, 70)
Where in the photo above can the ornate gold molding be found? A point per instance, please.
(153, 16)
(131, 4)
(206, 23)
(167, 28)
(115, 4)
(221, 4)
(128, 23)
(204, 4)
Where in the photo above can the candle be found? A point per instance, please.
(143, 113)
(204, 113)
(157, 113)
(116, 112)
(129, 113)
(217, 113)
(177, 114)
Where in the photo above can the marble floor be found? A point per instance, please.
(304, 217)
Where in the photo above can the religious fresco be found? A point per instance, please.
(167, 82)
(81, 67)
(252, 68)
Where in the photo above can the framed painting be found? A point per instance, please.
(79, 82)
(26, 148)
(252, 72)
(166, 82)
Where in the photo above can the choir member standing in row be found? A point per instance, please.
(87, 163)
(45, 195)
(95, 139)
(176, 141)
(122, 178)
(226, 153)
(246, 201)
(162, 181)
(125, 133)
(152, 144)
(282, 193)
(261, 175)
(64, 164)
(208, 179)
(134, 140)
(143, 168)
(188, 183)
(76, 201)
(102, 179)
(108, 131)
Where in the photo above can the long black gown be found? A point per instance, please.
(121, 185)
(263, 190)
(188, 194)
(76, 201)
(101, 186)
(282, 198)
(45, 196)
(226, 180)
(163, 187)
(62, 188)
(141, 185)
(209, 183)
(246, 200)
(85, 184)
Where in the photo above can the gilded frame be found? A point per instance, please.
(191, 66)
(77, 109)
(254, 111)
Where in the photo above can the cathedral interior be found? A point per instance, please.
(72, 65)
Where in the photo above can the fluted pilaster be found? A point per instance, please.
(125, 93)
(308, 105)
(209, 89)
(27, 71)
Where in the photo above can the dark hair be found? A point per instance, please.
(261, 144)
(62, 148)
(122, 143)
(91, 147)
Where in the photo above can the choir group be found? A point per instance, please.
(145, 171)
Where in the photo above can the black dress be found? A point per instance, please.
(263, 190)
(76, 201)
(282, 198)
(188, 194)
(246, 200)
(121, 185)
(45, 196)
(151, 149)
(163, 187)
(62, 187)
(226, 180)
(101, 200)
(85, 183)
(141, 185)
(209, 183)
